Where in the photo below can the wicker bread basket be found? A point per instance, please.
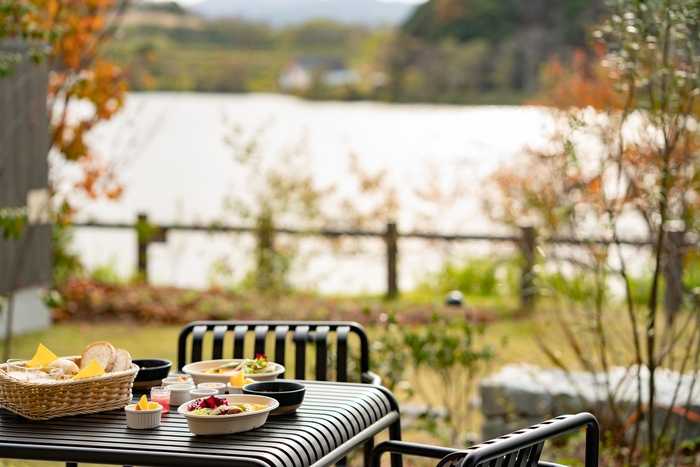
(46, 400)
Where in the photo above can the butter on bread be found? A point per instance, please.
(102, 352)
(122, 360)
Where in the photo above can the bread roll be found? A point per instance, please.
(67, 366)
(103, 352)
(122, 361)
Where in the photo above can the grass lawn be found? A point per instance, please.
(66, 339)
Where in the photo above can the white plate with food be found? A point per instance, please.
(220, 371)
(222, 415)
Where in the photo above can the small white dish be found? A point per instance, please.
(231, 389)
(177, 380)
(202, 393)
(142, 419)
(227, 424)
(219, 387)
(180, 393)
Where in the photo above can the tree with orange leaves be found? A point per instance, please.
(78, 73)
(624, 161)
(69, 35)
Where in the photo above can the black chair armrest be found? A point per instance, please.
(519, 448)
(533, 438)
(371, 378)
(409, 449)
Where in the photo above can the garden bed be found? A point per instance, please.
(87, 300)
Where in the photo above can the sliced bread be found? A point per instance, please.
(122, 361)
(103, 352)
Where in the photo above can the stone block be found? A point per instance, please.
(30, 313)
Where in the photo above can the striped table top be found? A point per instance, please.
(334, 419)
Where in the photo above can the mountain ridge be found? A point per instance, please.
(286, 12)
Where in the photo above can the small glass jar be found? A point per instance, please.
(161, 394)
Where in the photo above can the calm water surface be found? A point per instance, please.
(171, 152)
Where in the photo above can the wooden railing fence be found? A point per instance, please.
(148, 233)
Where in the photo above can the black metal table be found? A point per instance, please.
(334, 419)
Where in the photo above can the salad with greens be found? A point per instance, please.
(213, 405)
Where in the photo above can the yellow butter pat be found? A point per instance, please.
(93, 369)
(43, 357)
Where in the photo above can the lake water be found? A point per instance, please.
(171, 153)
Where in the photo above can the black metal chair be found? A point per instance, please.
(340, 349)
(334, 357)
(521, 448)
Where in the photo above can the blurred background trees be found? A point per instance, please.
(447, 51)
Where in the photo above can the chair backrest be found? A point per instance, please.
(521, 448)
(338, 345)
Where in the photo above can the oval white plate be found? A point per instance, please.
(227, 424)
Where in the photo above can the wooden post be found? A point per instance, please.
(673, 273)
(145, 234)
(142, 247)
(527, 280)
(391, 238)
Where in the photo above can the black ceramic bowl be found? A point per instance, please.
(288, 393)
(151, 372)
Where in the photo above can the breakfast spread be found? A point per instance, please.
(213, 405)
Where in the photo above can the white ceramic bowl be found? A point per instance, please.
(196, 371)
(176, 380)
(180, 393)
(227, 424)
(203, 393)
(219, 387)
(142, 419)
(231, 389)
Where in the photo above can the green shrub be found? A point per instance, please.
(483, 277)
(444, 359)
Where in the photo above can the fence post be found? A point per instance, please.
(145, 234)
(527, 279)
(391, 238)
(673, 272)
(142, 247)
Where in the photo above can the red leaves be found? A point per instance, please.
(582, 83)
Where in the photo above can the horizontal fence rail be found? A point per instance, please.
(150, 233)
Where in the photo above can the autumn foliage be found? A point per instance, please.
(78, 73)
(601, 140)
(583, 82)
